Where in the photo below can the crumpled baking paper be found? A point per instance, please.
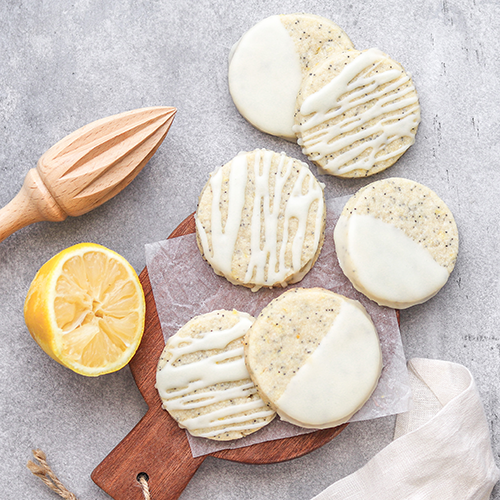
(184, 286)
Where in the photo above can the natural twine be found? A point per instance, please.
(45, 473)
(143, 481)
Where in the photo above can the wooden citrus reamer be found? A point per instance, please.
(87, 168)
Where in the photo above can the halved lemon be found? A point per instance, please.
(86, 309)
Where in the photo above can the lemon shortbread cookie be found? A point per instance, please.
(203, 382)
(314, 356)
(267, 64)
(261, 219)
(357, 113)
(397, 242)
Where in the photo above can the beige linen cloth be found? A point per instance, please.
(441, 448)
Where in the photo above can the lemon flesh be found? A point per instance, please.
(86, 309)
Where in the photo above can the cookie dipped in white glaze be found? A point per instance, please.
(314, 356)
(267, 64)
(397, 242)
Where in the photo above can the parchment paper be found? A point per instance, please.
(184, 286)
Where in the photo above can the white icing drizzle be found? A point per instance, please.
(259, 255)
(176, 384)
(339, 376)
(224, 238)
(266, 266)
(264, 77)
(385, 264)
(345, 92)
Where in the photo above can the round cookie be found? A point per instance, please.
(356, 113)
(397, 242)
(260, 220)
(314, 356)
(267, 64)
(203, 382)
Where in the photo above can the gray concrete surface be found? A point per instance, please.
(64, 64)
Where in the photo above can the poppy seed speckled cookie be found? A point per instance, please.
(356, 113)
(397, 242)
(267, 64)
(314, 356)
(260, 220)
(203, 382)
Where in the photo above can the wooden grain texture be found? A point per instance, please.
(157, 446)
(87, 168)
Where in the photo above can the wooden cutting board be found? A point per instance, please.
(157, 446)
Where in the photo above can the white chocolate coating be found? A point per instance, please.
(273, 203)
(385, 264)
(264, 77)
(339, 376)
(216, 385)
(381, 115)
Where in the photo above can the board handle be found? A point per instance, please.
(157, 447)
